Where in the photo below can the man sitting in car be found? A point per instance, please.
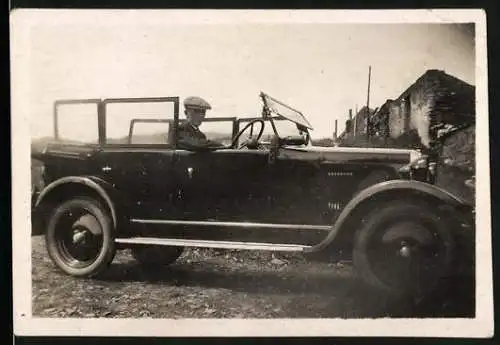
(189, 135)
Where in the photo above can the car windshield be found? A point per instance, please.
(283, 110)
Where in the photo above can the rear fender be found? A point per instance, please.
(95, 185)
(384, 191)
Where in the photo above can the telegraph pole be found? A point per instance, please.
(354, 120)
(368, 104)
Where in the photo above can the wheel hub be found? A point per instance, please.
(79, 236)
(405, 250)
(82, 242)
(404, 254)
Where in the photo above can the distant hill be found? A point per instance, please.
(326, 142)
(156, 138)
(160, 138)
(39, 144)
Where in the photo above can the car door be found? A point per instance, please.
(142, 176)
(222, 185)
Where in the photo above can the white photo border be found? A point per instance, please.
(26, 325)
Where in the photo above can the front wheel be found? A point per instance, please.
(404, 248)
(79, 237)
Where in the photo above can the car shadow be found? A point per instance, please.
(214, 276)
(338, 294)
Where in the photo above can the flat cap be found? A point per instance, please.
(196, 102)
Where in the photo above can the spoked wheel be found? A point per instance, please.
(404, 249)
(79, 237)
(156, 256)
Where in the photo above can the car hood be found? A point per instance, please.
(348, 154)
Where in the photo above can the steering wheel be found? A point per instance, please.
(254, 140)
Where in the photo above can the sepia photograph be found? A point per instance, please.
(250, 173)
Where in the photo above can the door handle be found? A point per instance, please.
(106, 168)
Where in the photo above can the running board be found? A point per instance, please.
(213, 244)
(234, 224)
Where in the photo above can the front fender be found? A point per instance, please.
(384, 189)
(105, 190)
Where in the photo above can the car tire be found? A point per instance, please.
(404, 248)
(156, 255)
(80, 237)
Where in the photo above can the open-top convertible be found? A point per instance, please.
(273, 192)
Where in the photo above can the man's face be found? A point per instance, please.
(195, 116)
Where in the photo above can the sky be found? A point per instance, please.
(319, 69)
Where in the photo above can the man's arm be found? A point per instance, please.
(191, 142)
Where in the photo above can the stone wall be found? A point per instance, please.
(411, 111)
(457, 163)
(395, 120)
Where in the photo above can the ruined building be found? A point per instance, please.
(412, 119)
(355, 128)
(434, 100)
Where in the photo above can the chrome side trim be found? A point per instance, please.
(65, 153)
(212, 244)
(234, 224)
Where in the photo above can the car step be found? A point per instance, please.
(213, 244)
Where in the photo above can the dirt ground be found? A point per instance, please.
(225, 284)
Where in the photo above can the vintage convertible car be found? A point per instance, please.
(374, 206)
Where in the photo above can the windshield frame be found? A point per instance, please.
(303, 123)
(302, 127)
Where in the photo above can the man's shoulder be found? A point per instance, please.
(188, 131)
(185, 127)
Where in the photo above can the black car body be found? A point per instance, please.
(284, 195)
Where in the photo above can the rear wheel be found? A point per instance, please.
(404, 248)
(154, 256)
(79, 237)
